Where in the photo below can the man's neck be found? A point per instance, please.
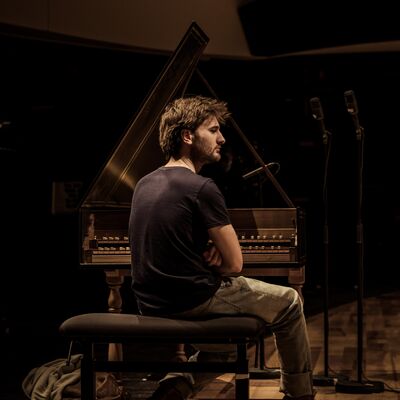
(183, 162)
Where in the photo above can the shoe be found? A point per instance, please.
(305, 397)
(172, 389)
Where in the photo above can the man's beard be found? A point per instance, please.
(201, 154)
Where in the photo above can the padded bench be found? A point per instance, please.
(102, 328)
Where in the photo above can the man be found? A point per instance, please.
(185, 249)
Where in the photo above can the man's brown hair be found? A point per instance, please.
(187, 113)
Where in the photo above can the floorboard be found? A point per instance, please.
(381, 355)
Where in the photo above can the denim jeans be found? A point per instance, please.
(282, 310)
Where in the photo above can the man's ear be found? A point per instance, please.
(187, 136)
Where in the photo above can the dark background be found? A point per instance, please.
(68, 105)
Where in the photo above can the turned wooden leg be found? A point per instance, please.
(180, 354)
(114, 281)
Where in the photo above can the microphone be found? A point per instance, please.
(260, 169)
(352, 109)
(318, 114)
(351, 102)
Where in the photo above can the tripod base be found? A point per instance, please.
(322, 380)
(359, 387)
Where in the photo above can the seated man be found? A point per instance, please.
(176, 213)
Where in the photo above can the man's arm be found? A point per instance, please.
(227, 255)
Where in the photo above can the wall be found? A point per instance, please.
(149, 24)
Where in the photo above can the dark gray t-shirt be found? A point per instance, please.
(172, 209)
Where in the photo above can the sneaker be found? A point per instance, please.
(172, 389)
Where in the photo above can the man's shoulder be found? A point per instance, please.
(180, 176)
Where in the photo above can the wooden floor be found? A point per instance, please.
(381, 354)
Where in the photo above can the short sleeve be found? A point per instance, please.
(212, 207)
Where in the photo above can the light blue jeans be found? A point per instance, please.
(282, 310)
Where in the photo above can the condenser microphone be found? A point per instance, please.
(316, 109)
(351, 102)
(352, 109)
(261, 169)
(318, 115)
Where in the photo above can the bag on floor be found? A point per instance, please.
(60, 380)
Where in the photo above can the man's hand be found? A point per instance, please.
(212, 256)
(230, 259)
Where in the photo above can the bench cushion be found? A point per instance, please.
(132, 327)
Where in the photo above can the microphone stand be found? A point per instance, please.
(359, 386)
(318, 115)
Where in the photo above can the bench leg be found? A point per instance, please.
(88, 376)
(242, 384)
